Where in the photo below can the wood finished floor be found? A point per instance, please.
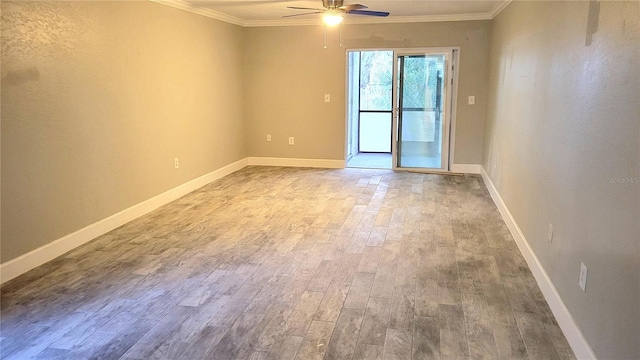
(286, 263)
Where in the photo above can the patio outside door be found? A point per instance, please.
(422, 109)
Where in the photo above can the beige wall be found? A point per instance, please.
(563, 122)
(99, 97)
(288, 72)
(97, 100)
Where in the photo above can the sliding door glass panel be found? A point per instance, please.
(420, 111)
(376, 100)
(376, 80)
(353, 99)
(375, 131)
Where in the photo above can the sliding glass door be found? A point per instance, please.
(422, 101)
(399, 108)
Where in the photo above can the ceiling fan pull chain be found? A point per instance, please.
(340, 29)
(325, 36)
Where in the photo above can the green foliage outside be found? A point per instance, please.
(420, 78)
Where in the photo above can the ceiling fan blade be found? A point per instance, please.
(237, 3)
(303, 8)
(348, 8)
(368, 13)
(315, 12)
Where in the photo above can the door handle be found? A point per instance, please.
(396, 115)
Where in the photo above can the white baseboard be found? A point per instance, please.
(43, 254)
(293, 162)
(466, 168)
(571, 331)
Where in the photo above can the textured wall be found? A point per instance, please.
(288, 72)
(97, 100)
(563, 123)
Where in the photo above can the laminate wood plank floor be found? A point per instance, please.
(293, 263)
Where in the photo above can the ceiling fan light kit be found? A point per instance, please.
(333, 13)
(332, 17)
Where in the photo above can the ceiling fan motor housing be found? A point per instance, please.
(331, 4)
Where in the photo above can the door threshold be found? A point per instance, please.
(429, 171)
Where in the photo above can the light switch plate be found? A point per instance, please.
(327, 97)
(472, 100)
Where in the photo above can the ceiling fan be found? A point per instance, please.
(334, 11)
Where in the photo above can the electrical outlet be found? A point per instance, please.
(327, 97)
(291, 140)
(176, 164)
(550, 233)
(268, 137)
(583, 277)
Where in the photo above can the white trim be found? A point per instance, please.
(571, 331)
(347, 102)
(466, 168)
(183, 5)
(499, 7)
(455, 61)
(293, 162)
(50, 251)
(369, 20)
(186, 6)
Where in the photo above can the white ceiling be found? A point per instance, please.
(270, 12)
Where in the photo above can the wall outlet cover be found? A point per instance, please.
(583, 277)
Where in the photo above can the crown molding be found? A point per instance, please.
(184, 5)
(370, 20)
(499, 7)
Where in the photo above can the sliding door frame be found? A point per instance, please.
(447, 104)
(451, 91)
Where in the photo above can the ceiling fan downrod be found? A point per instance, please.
(332, 4)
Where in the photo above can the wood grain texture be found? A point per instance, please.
(273, 327)
(316, 340)
(345, 336)
(376, 318)
(300, 319)
(453, 337)
(359, 291)
(370, 259)
(286, 349)
(397, 345)
(402, 309)
(368, 352)
(285, 263)
(535, 337)
(332, 302)
(426, 338)
(482, 344)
